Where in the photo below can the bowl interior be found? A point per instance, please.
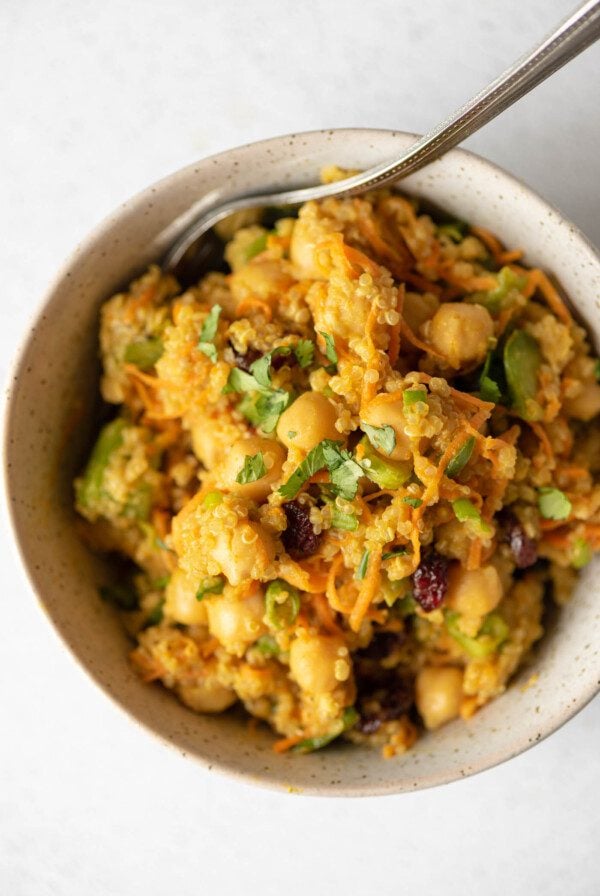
(49, 427)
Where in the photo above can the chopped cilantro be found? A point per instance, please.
(253, 469)
(240, 381)
(208, 333)
(330, 352)
(382, 438)
(305, 352)
(413, 502)
(261, 369)
(554, 504)
(343, 469)
(264, 409)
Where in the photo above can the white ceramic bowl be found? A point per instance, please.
(50, 420)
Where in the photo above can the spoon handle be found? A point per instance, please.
(571, 37)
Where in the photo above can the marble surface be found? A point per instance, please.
(99, 100)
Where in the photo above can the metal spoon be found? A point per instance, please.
(570, 38)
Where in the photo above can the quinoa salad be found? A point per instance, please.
(344, 477)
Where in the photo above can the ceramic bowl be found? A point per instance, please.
(49, 425)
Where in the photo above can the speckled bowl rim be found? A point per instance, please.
(15, 368)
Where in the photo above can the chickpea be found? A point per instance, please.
(232, 463)
(313, 663)
(390, 413)
(207, 696)
(438, 694)
(244, 553)
(418, 308)
(474, 592)
(212, 438)
(312, 418)
(586, 404)
(236, 622)
(180, 600)
(264, 279)
(461, 332)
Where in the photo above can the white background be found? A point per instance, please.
(98, 100)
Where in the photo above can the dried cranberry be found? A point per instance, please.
(246, 360)
(279, 361)
(523, 548)
(397, 700)
(369, 724)
(430, 581)
(382, 645)
(299, 538)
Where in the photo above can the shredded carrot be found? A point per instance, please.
(418, 343)
(557, 539)
(537, 279)
(474, 557)
(470, 284)
(146, 666)
(209, 647)
(249, 304)
(325, 615)
(160, 520)
(137, 303)
(398, 266)
(359, 259)
(488, 239)
(543, 438)
(394, 344)
(330, 588)
(286, 743)
(510, 257)
(367, 591)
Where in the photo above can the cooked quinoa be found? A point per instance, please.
(346, 475)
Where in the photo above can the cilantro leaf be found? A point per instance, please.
(554, 504)
(261, 369)
(412, 502)
(330, 351)
(305, 352)
(208, 349)
(344, 470)
(312, 463)
(208, 333)
(265, 408)
(253, 469)
(240, 381)
(383, 438)
(489, 390)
